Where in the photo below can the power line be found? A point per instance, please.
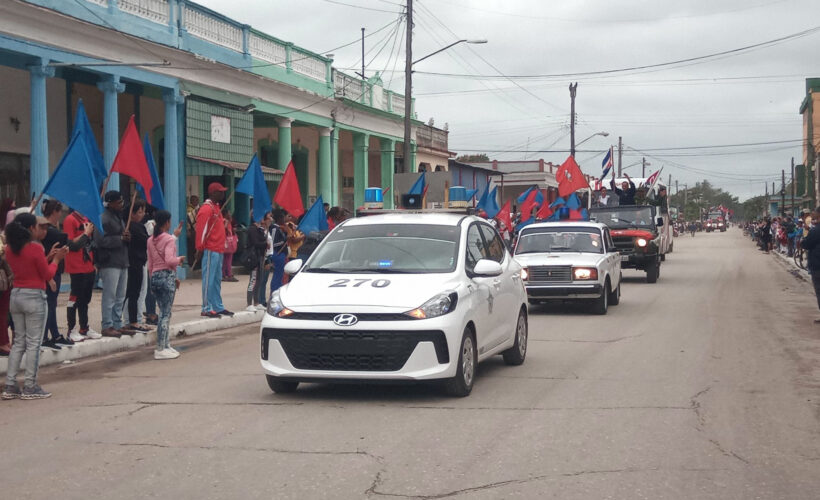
(360, 6)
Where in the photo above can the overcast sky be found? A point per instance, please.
(747, 97)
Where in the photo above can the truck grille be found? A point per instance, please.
(352, 350)
(550, 274)
(624, 244)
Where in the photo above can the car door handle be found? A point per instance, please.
(497, 283)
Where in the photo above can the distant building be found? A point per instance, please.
(806, 177)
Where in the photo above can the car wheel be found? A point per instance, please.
(663, 257)
(281, 386)
(601, 304)
(615, 296)
(516, 354)
(462, 384)
(653, 271)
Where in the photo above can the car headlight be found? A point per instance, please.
(585, 273)
(439, 305)
(276, 307)
(525, 274)
(641, 242)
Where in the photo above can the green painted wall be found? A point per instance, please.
(198, 132)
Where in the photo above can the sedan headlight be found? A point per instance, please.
(439, 305)
(276, 308)
(641, 242)
(585, 273)
(525, 274)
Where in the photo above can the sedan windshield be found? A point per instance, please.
(387, 248)
(623, 217)
(548, 240)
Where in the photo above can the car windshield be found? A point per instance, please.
(622, 217)
(387, 248)
(547, 240)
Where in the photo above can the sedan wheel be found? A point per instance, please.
(516, 354)
(462, 384)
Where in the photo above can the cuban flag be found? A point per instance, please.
(606, 164)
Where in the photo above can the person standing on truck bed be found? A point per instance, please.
(626, 195)
(659, 200)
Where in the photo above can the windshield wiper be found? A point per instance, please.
(324, 270)
(559, 248)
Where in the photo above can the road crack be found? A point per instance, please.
(583, 341)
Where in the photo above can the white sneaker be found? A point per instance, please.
(76, 336)
(174, 350)
(93, 334)
(260, 307)
(166, 354)
(251, 308)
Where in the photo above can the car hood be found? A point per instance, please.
(559, 259)
(364, 292)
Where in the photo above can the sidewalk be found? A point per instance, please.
(185, 320)
(792, 267)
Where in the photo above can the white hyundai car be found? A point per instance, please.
(400, 297)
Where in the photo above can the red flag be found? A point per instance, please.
(576, 215)
(130, 159)
(570, 178)
(528, 205)
(504, 216)
(650, 181)
(287, 194)
(545, 212)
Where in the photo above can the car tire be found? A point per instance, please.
(462, 384)
(653, 271)
(601, 304)
(663, 257)
(615, 296)
(516, 354)
(281, 386)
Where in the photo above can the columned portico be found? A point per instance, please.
(388, 150)
(324, 177)
(360, 166)
(38, 175)
(335, 198)
(171, 178)
(285, 153)
(110, 87)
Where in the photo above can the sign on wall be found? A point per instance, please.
(220, 129)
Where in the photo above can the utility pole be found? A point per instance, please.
(572, 90)
(783, 193)
(676, 187)
(794, 189)
(362, 73)
(620, 154)
(408, 88)
(643, 167)
(669, 184)
(685, 196)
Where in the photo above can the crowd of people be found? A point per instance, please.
(779, 234)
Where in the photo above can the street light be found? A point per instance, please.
(602, 134)
(408, 87)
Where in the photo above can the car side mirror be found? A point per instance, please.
(487, 268)
(659, 221)
(293, 266)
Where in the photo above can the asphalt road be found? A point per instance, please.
(704, 385)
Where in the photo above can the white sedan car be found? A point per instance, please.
(401, 297)
(570, 260)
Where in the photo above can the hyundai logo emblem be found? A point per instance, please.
(345, 319)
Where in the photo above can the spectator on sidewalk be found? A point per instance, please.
(111, 256)
(137, 257)
(190, 214)
(28, 304)
(7, 208)
(5, 296)
(162, 264)
(255, 258)
(626, 195)
(231, 243)
(279, 249)
(79, 264)
(210, 245)
(812, 244)
(52, 209)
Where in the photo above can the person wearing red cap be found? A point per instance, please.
(210, 244)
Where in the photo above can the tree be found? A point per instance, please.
(480, 158)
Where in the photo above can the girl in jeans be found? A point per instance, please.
(28, 303)
(162, 265)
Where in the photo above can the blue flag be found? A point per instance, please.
(82, 126)
(418, 186)
(253, 184)
(573, 203)
(482, 200)
(557, 203)
(74, 183)
(315, 218)
(539, 198)
(491, 204)
(157, 199)
(471, 193)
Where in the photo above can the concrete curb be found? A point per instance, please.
(108, 345)
(796, 271)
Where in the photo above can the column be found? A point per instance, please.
(414, 165)
(38, 173)
(284, 142)
(110, 87)
(334, 168)
(388, 147)
(323, 180)
(360, 151)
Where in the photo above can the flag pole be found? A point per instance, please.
(105, 184)
(36, 202)
(131, 208)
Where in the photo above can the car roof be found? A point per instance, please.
(439, 219)
(579, 224)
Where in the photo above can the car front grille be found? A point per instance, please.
(352, 350)
(550, 274)
(321, 316)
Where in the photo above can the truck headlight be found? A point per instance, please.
(439, 305)
(641, 242)
(584, 273)
(276, 308)
(525, 274)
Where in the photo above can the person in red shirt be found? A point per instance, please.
(79, 264)
(210, 245)
(32, 270)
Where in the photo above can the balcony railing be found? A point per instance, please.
(268, 50)
(202, 25)
(430, 137)
(153, 10)
(347, 86)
